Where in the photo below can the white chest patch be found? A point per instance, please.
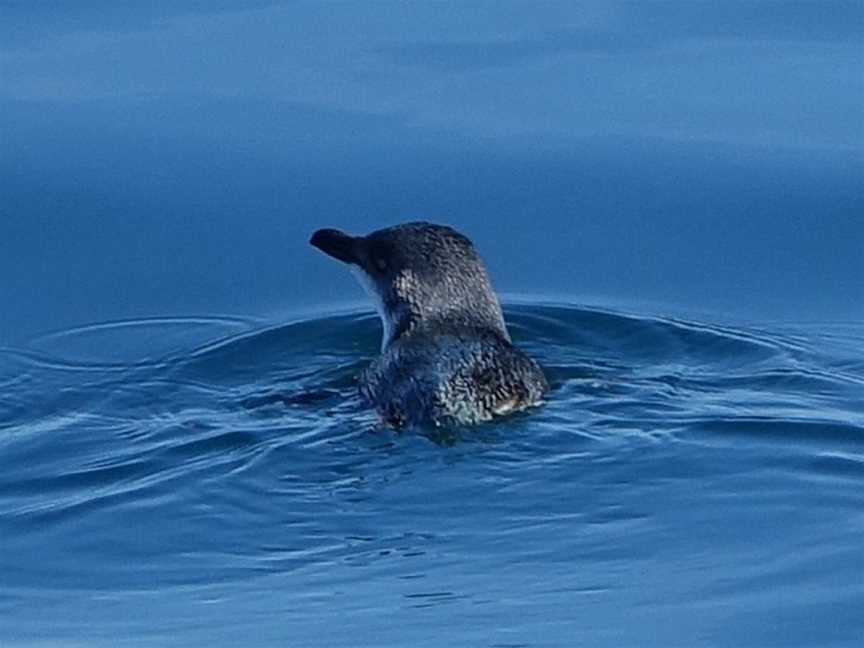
(370, 287)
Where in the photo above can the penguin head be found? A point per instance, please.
(418, 272)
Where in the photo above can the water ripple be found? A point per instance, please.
(225, 458)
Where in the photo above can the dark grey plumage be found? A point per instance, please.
(446, 356)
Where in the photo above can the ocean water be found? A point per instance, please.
(215, 481)
(668, 194)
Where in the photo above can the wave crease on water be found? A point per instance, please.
(215, 480)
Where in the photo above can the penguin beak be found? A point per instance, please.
(337, 244)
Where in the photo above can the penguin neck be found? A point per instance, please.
(397, 326)
(404, 318)
(394, 324)
(394, 327)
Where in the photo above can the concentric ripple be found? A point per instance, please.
(158, 477)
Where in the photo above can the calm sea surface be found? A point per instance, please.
(214, 481)
(685, 180)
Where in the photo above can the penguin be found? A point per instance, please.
(446, 355)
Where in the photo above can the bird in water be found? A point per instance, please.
(446, 356)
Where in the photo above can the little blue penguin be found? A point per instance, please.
(446, 356)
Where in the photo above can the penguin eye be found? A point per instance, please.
(381, 264)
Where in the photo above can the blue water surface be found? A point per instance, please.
(215, 480)
(668, 194)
